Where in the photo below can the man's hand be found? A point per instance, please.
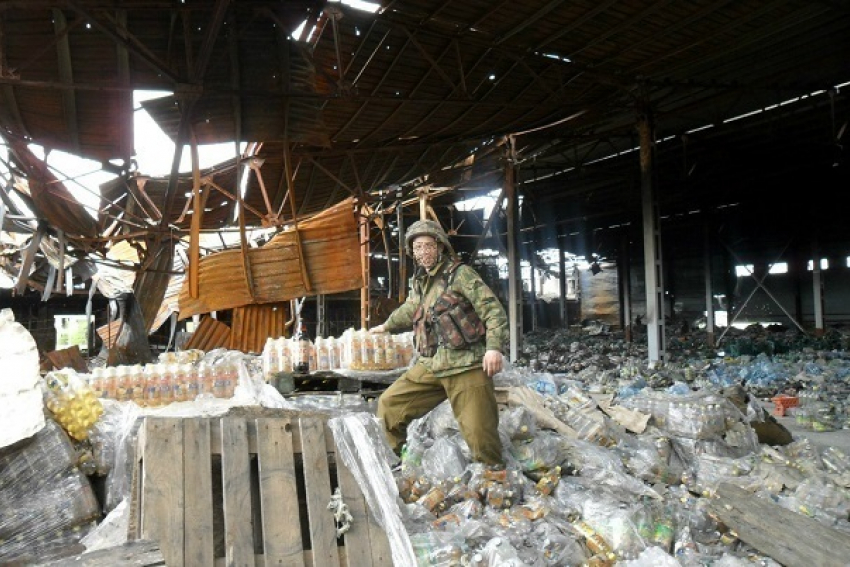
(378, 329)
(492, 362)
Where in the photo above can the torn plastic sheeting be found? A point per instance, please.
(45, 501)
(21, 404)
(357, 437)
(524, 396)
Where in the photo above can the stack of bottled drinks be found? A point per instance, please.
(354, 350)
(160, 384)
(72, 402)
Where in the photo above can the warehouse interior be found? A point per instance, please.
(667, 176)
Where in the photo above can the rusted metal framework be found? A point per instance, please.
(420, 93)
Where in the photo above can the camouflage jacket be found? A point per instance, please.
(426, 287)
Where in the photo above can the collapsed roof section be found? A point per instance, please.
(377, 104)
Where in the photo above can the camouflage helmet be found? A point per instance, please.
(426, 228)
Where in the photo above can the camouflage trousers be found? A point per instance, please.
(473, 400)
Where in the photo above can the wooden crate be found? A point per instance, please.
(249, 491)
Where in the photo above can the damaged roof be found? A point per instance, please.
(422, 93)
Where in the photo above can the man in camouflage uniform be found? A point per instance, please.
(463, 374)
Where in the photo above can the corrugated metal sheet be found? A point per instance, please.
(210, 334)
(109, 333)
(332, 258)
(253, 324)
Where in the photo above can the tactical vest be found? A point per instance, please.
(451, 322)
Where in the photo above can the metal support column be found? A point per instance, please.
(531, 264)
(624, 273)
(562, 275)
(321, 316)
(709, 292)
(817, 289)
(402, 251)
(514, 272)
(365, 295)
(654, 319)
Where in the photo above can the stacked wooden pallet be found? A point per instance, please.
(249, 491)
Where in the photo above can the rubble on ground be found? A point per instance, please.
(610, 460)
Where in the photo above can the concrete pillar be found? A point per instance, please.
(817, 289)
(562, 281)
(624, 271)
(709, 290)
(514, 272)
(654, 319)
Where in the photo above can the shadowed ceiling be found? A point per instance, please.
(442, 94)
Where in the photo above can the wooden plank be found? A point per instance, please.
(318, 485)
(357, 547)
(198, 517)
(134, 527)
(777, 532)
(215, 443)
(236, 479)
(142, 553)
(162, 486)
(278, 494)
(382, 555)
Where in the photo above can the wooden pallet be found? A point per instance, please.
(249, 491)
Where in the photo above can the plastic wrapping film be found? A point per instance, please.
(822, 499)
(123, 437)
(361, 445)
(112, 531)
(46, 503)
(698, 415)
(518, 423)
(437, 549)
(21, 405)
(443, 460)
(618, 524)
(545, 451)
(441, 421)
(653, 557)
(651, 459)
(107, 433)
(605, 468)
(710, 471)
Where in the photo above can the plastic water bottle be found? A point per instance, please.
(166, 383)
(152, 386)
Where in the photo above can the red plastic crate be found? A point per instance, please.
(782, 403)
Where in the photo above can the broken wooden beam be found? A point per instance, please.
(792, 539)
